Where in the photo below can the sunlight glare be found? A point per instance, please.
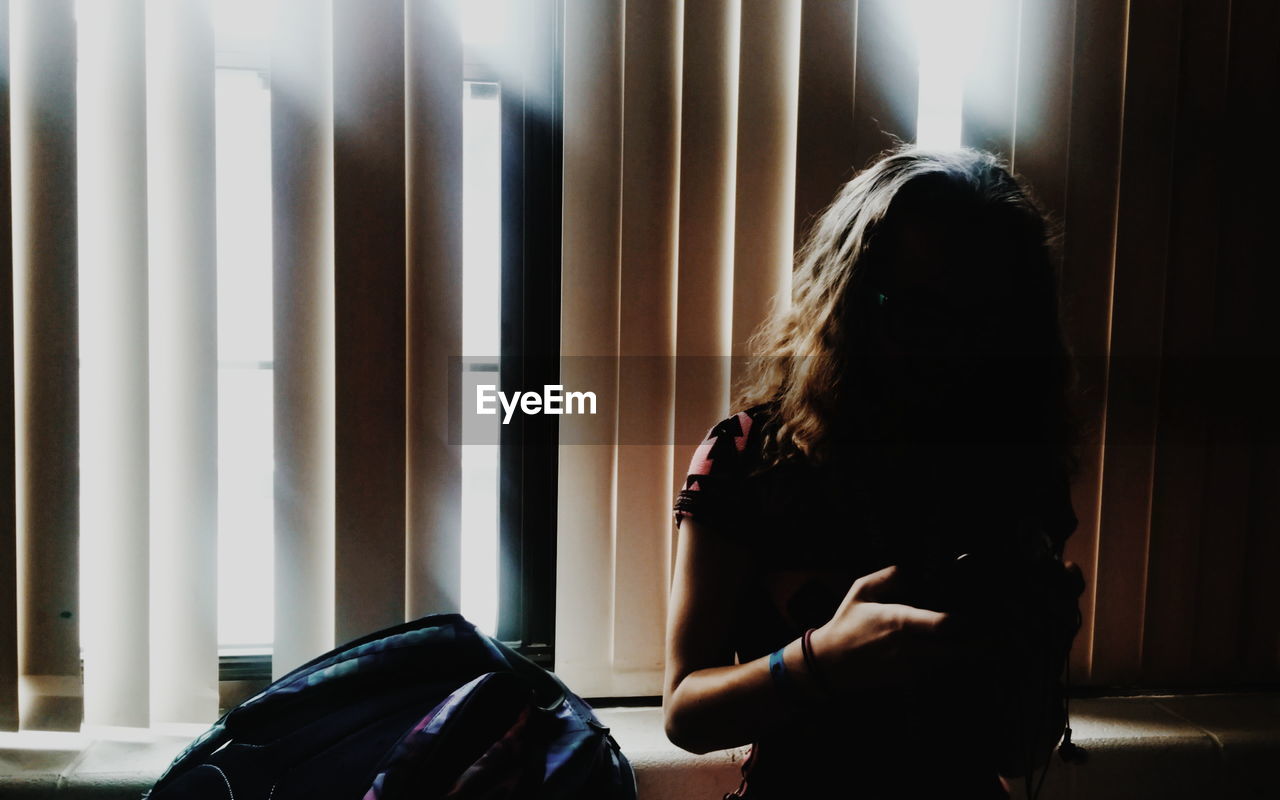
(948, 33)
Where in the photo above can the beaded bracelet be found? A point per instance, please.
(811, 661)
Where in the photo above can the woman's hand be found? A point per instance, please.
(873, 642)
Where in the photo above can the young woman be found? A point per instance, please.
(869, 586)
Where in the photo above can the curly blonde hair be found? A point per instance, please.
(802, 352)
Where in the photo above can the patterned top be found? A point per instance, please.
(812, 531)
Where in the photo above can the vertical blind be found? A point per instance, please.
(303, 329)
(1113, 112)
(183, 321)
(114, 334)
(367, 159)
(8, 526)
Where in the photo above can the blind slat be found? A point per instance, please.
(46, 391)
(1227, 624)
(1042, 110)
(708, 156)
(1178, 500)
(991, 82)
(1135, 346)
(434, 109)
(1089, 221)
(8, 476)
(886, 75)
(114, 362)
(824, 112)
(369, 314)
(302, 304)
(182, 250)
(646, 333)
(589, 327)
(764, 206)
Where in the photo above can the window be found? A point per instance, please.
(513, 57)
(245, 384)
(481, 343)
(510, 313)
(511, 288)
(947, 34)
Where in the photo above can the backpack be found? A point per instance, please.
(432, 708)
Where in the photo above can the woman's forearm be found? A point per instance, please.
(867, 644)
(721, 707)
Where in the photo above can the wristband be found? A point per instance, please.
(781, 678)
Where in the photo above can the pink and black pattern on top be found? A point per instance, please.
(711, 487)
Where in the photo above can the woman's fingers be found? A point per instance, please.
(930, 643)
(878, 587)
(922, 621)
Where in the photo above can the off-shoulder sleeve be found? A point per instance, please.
(712, 491)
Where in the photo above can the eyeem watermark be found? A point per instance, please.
(553, 400)
(632, 400)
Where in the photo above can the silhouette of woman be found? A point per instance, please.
(869, 585)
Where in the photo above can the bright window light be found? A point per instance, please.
(241, 30)
(483, 21)
(481, 343)
(245, 374)
(947, 34)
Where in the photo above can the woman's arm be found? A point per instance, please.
(710, 703)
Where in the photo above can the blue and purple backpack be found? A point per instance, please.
(432, 708)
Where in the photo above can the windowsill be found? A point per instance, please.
(1185, 746)
(106, 764)
(1191, 746)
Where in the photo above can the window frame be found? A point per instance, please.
(532, 158)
